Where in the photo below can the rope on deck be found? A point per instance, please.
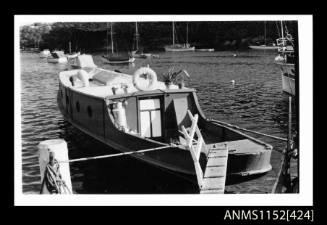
(250, 131)
(118, 154)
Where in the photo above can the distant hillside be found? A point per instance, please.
(89, 37)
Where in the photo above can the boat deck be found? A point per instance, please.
(103, 81)
(244, 146)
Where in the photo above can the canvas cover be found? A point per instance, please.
(85, 61)
(112, 78)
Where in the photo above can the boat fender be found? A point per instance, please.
(84, 77)
(144, 74)
(120, 115)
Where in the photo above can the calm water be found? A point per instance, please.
(254, 102)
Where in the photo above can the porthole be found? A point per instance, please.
(77, 106)
(89, 111)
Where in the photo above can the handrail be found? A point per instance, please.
(250, 131)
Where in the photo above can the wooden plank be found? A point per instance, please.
(216, 161)
(215, 172)
(217, 154)
(218, 171)
(212, 191)
(213, 183)
(222, 148)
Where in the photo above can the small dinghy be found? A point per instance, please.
(118, 59)
(57, 57)
(45, 53)
(135, 112)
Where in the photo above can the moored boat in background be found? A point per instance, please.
(73, 55)
(115, 58)
(286, 61)
(45, 53)
(265, 46)
(186, 47)
(57, 57)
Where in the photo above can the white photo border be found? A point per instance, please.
(304, 198)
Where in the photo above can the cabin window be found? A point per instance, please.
(150, 118)
(89, 111)
(77, 106)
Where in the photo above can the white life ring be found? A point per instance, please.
(144, 78)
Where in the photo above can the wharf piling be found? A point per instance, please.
(55, 178)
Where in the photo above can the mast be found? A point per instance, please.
(70, 48)
(112, 41)
(187, 33)
(136, 36)
(107, 41)
(281, 25)
(265, 33)
(173, 33)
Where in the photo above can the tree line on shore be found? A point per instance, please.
(153, 36)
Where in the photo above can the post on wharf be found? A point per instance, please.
(55, 178)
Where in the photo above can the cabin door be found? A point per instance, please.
(150, 118)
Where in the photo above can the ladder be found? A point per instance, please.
(214, 177)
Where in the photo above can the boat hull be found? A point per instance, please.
(57, 60)
(171, 49)
(71, 56)
(238, 165)
(119, 61)
(288, 84)
(258, 47)
(205, 50)
(288, 78)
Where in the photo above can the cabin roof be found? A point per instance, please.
(104, 82)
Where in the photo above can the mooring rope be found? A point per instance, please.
(250, 131)
(53, 180)
(118, 154)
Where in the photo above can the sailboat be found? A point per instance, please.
(115, 58)
(264, 46)
(179, 47)
(137, 53)
(71, 54)
(286, 61)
